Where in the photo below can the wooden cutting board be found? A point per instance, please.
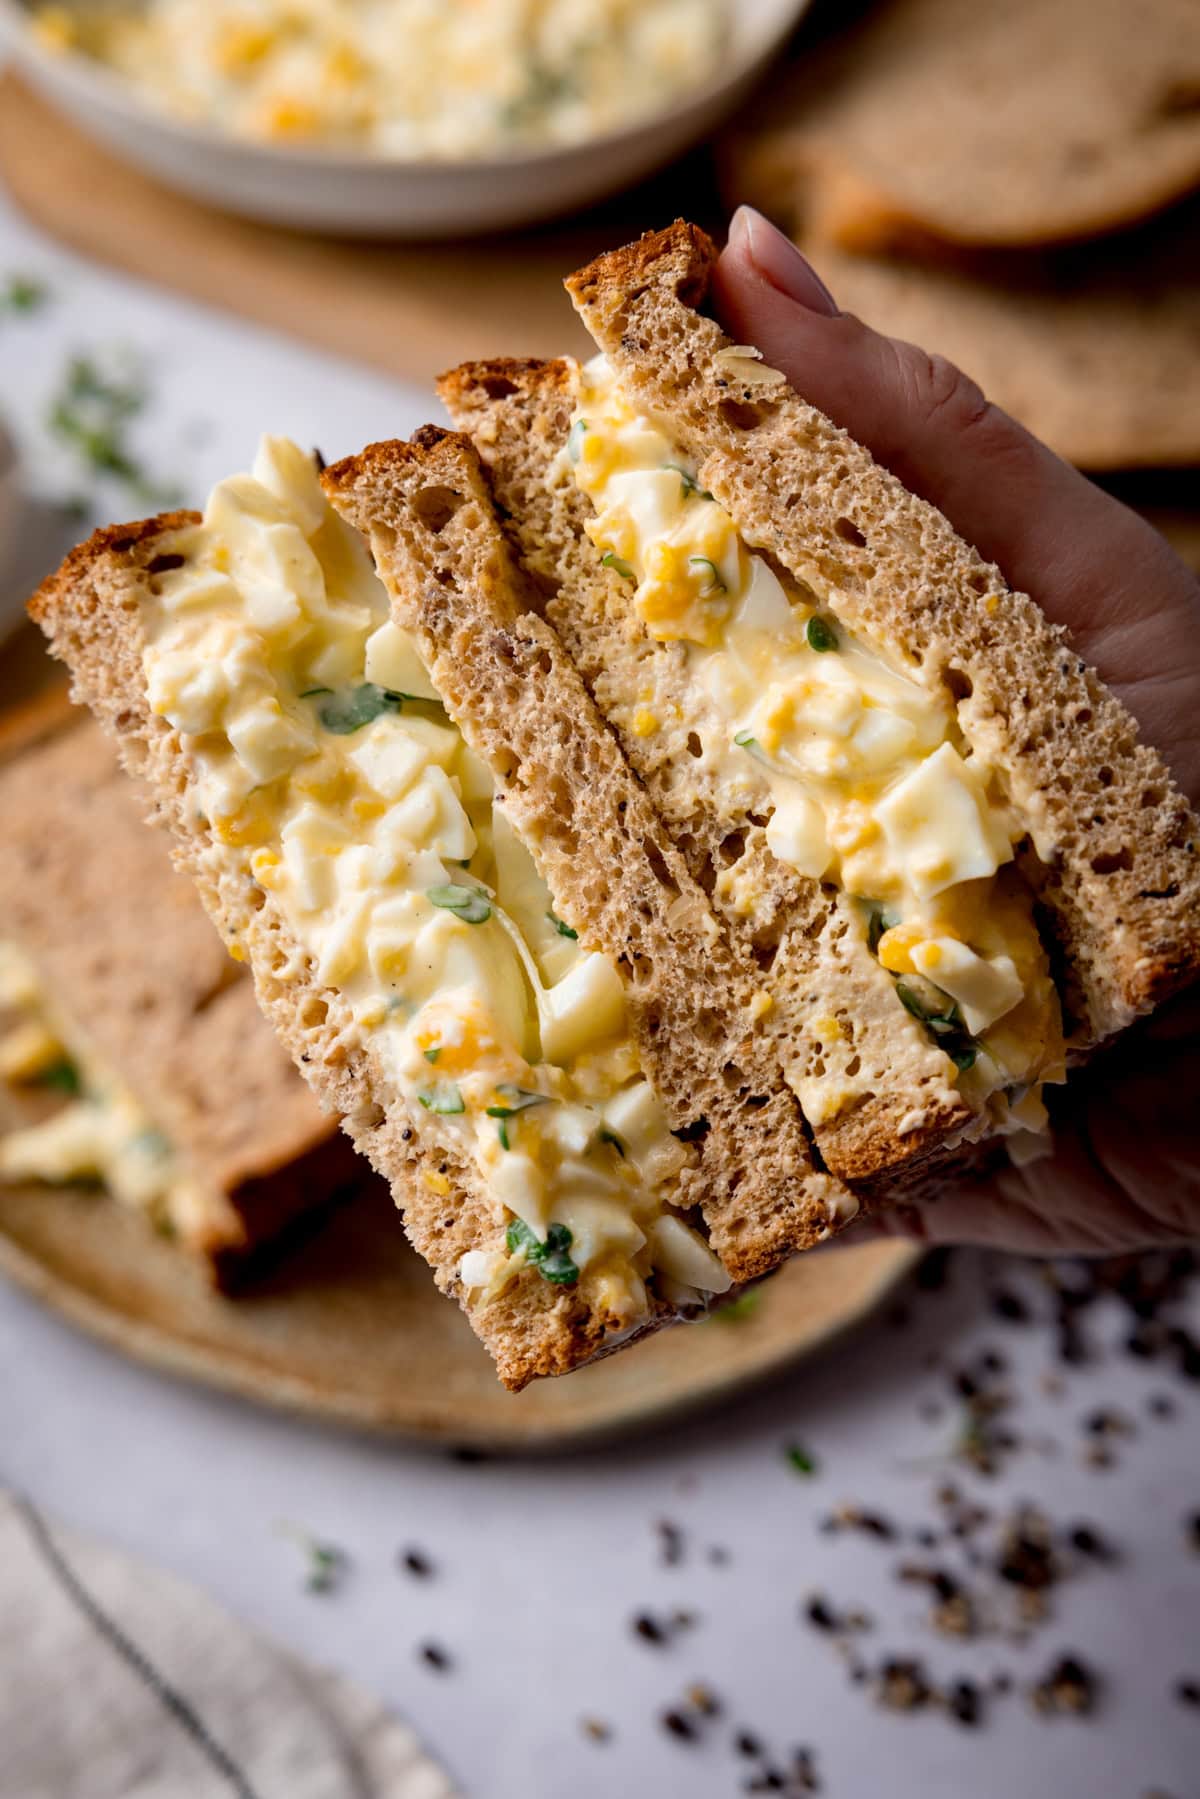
(413, 310)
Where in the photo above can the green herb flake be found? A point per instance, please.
(152, 1143)
(62, 1077)
(326, 1565)
(502, 1128)
(431, 1055)
(618, 566)
(690, 485)
(575, 439)
(879, 920)
(470, 904)
(551, 1258)
(516, 1099)
(964, 1057)
(739, 1310)
(800, 1459)
(715, 583)
(564, 930)
(746, 740)
(345, 713)
(445, 1099)
(92, 412)
(820, 634)
(23, 294)
(312, 693)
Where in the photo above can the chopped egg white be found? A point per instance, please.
(862, 771)
(326, 766)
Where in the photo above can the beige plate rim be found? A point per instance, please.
(751, 1358)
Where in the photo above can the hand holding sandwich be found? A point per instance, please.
(1125, 1172)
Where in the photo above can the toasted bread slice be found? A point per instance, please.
(120, 992)
(1121, 907)
(743, 1171)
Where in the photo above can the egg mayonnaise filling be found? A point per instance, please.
(323, 761)
(863, 772)
(101, 1132)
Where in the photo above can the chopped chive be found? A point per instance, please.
(799, 1458)
(618, 566)
(470, 904)
(550, 1258)
(62, 1076)
(431, 1055)
(964, 1058)
(575, 439)
(445, 1099)
(23, 293)
(502, 1131)
(716, 584)
(690, 485)
(564, 930)
(746, 740)
(345, 713)
(740, 1309)
(516, 1099)
(820, 634)
(879, 920)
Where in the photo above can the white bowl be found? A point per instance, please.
(357, 193)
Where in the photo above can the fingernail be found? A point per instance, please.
(778, 261)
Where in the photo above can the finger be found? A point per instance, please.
(1130, 605)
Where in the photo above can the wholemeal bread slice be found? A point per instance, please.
(1036, 122)
(121, 992)
(1120, 906)
(744, 1168)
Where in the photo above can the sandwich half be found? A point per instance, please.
(463, 915)
(916, 810)
(131, 1046)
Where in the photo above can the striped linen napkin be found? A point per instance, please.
(120, 1682)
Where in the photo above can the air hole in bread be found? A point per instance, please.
(662, 873)
(764, 956)
(1159, 893)
(162, 565)
(732, 848)
(959, 682)
(694, 745)
(313, 1012)
(853, 1065)
(978, 583)
(757, 1101)
(746, 415)
(1105, 778)
(1083, 715)
(1152, 796)
(436, 506)
(498, 387)
(849, 532)
(1112, 861)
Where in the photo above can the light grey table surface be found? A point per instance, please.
(540, 1566)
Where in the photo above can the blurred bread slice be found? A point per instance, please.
(117, 984)
(1095, 348)
(1030, 123)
